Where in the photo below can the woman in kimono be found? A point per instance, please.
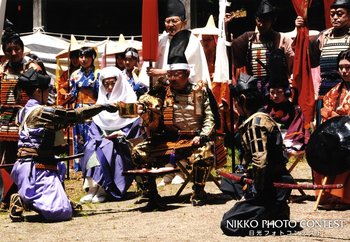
(107, 151)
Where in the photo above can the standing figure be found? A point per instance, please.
(187, 119)
(131, 71)
(176, 21)
(107, 152)
(84, 82)
(63, 82)
(337, 102)
(252, 49)
(326, 47)
(263, 161)
(35, 171)
(16, 63)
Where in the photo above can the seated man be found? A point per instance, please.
(187, 121)
(263, 161)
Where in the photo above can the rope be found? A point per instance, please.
(84, 36)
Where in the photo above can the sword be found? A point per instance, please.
(306, 186)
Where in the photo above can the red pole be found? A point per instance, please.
(150, 31)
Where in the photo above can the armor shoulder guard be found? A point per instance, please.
(263, 120)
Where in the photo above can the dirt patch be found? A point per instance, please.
(180, 221)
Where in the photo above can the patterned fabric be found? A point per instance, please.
(85, 87)
(85, 79)
(323, 52)
(258, 51)
(332, 46)
(336, 101)
(242, 46)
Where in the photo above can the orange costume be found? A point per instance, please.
(336, 102)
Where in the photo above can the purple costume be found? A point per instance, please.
(106, 157)
(35, 171)
(114, 157)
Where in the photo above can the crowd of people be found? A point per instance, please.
(174, 118)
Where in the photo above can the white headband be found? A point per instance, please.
(131, 53)
(178, 66)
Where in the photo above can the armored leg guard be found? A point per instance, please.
(200, 176)
(16, 208)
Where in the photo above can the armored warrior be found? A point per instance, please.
(36, 170)
(187, 120)
(252, 49)
(326, 47)
(263, 160)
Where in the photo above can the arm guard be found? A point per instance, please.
(208, 119)
(62, 118)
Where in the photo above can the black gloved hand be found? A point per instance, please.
(111, 107)
(241, 181)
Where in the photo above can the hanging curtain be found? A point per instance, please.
(302, 77)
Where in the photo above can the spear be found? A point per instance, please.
(306, 186)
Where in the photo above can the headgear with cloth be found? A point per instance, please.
(131, 52)
(122, 91)
(176, 8)
(176, 58)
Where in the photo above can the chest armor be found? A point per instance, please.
(331, 48)
(183, 111)
(257, 51)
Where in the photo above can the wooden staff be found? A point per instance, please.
(324, 181)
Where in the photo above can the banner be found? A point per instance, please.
(150, 30)
(302, 77)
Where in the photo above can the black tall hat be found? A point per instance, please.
(245, 82)
(265, 9)
(340, 3)
(176, 8)
(33, 79)
(10, 34)
(328, 150)
(178, 44)
(278, 69)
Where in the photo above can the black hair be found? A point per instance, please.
(39, 62)
(253, 99)
(74, 53)
(88, 52)
(345, 54)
